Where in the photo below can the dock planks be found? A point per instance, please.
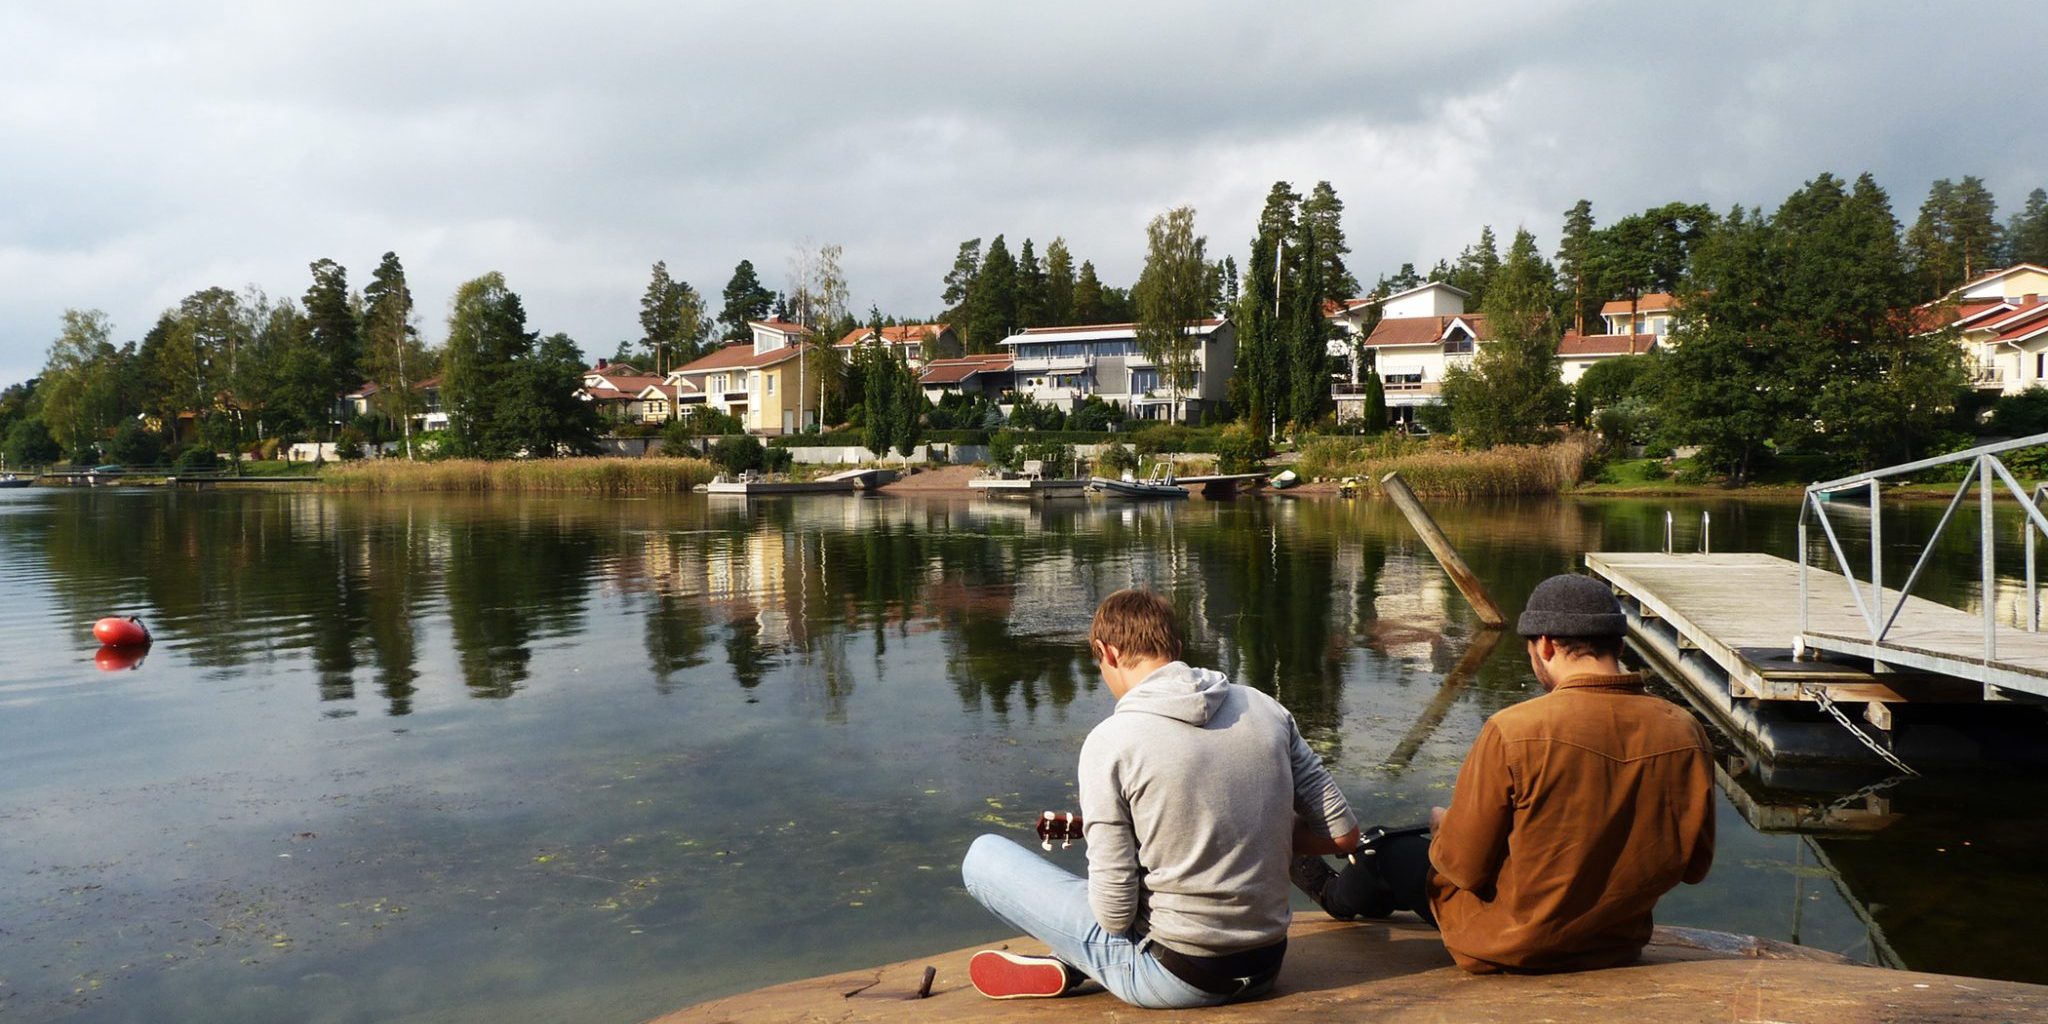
(1743, 610)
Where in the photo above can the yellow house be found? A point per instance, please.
(757, 381)
(2001, 321)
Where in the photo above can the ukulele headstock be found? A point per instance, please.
(1062, 827)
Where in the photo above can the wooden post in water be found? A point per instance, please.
(1440, 546)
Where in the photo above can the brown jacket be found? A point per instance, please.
(1574, 812)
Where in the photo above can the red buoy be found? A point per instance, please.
(119, 632)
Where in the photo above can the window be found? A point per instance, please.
(2040, 365)
(771, 383)
(1458, 344)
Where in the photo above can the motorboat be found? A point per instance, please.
(12, 480)
(1160, 485)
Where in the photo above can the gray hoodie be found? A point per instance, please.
(1190, 790)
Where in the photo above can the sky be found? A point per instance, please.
(148, 150)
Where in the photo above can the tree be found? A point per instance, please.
(337, 334)
(959, 294)
(1374, 415)
(1512, 392)
(486, 333)
(1059, 284)
(2026, 235)
(1173, 296)
(1259, 385)
(1305, 333)
(1575, 265)
(993, 308)
(29, 444)
(819, 303)
(540, 414)
(1647, 252)
(1031, 288)
(1091, 305)
(672, 320)
(892, 405)
(76, 400)
(1476, 266)
(745, 300)
(393, 357)
(1955, 236)
(1325, 212)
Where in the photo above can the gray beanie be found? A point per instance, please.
(1572, 605)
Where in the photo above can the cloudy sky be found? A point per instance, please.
(151, 149)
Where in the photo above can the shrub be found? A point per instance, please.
(737, 454)
(1002, 449)
(196, 460)
(1095, 414)
(777, 460)
(957, 436)
(135, 445)
(349, 446)
(2020, 415)
(1057, 456)
(1115, 460)
(1163, 438)
(1029, 415)
(1241, 449)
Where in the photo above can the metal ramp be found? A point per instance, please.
(1892, 627)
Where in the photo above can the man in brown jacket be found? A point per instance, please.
(1573, 812)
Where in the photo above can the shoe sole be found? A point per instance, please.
(1000, 975)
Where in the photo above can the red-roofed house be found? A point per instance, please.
(1422, 333)
(910, 341)
(757, 381)
(1654, 314)
(2001, 321)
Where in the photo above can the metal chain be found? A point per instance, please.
(1827, 811)
(1827, 704)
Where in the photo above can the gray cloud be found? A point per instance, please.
(149, 149)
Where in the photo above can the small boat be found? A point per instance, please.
(1159, 486)
(10, 480)
(1284, 479)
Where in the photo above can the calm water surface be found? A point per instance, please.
(452, 759)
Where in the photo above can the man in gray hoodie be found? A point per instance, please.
(1195, 794)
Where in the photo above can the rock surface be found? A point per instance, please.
(1399, 971)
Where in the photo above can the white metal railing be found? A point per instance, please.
(1986, 471)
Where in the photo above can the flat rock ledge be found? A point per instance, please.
(1399, 971)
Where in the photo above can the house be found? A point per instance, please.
(756, 381)
(911, 341)
(1061, 366)
(2002, 324)
(1633, 328)
(364, 401)
(617, 389)
(1422, 333)
(989, 375)
(1654, 314)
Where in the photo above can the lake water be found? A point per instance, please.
(502, 759)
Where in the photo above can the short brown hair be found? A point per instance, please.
(1138, 623)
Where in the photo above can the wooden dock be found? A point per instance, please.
(772, 488)
(1034, 488)
(1726, 627)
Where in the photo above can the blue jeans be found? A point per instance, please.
(1050, 905)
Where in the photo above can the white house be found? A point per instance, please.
(2002, 324)
(906, 340)
(1422, 333)
(989, 375)
(1064, 365)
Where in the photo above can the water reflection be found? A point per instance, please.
(606, 728)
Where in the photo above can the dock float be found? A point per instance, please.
(1035, 488)
(1726, 629)
(1398, 970)
(766, 488)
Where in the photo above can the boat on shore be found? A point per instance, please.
(1284, 479)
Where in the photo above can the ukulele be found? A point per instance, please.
(1064, 826)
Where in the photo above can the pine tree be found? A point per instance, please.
(1476, 266)
(745, 300)
(994, 304)
(1090, 305)
(1031, 288)
(1955, 237)
(1323, 209)
(2026, 235)
(486, 334)
(1059, 284)
(1259, 383)
(337, 334)
(661, 325)
(1575, 264)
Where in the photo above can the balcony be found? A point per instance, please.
(1987, 376)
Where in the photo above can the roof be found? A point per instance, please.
(901, 334)
(739, 356)
(660, 391)
(1649, 302)
(1575, 345)
(779, 326)
(953, 371)
(1423, 330)
(2021, 324)
(608, 367)
(1425, 286)
(2001, 272)
(1333, 308)
(1096, 332)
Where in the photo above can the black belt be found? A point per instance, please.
(1227, 975)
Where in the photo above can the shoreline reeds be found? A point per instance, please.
(652, 475)
(1440, 470)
